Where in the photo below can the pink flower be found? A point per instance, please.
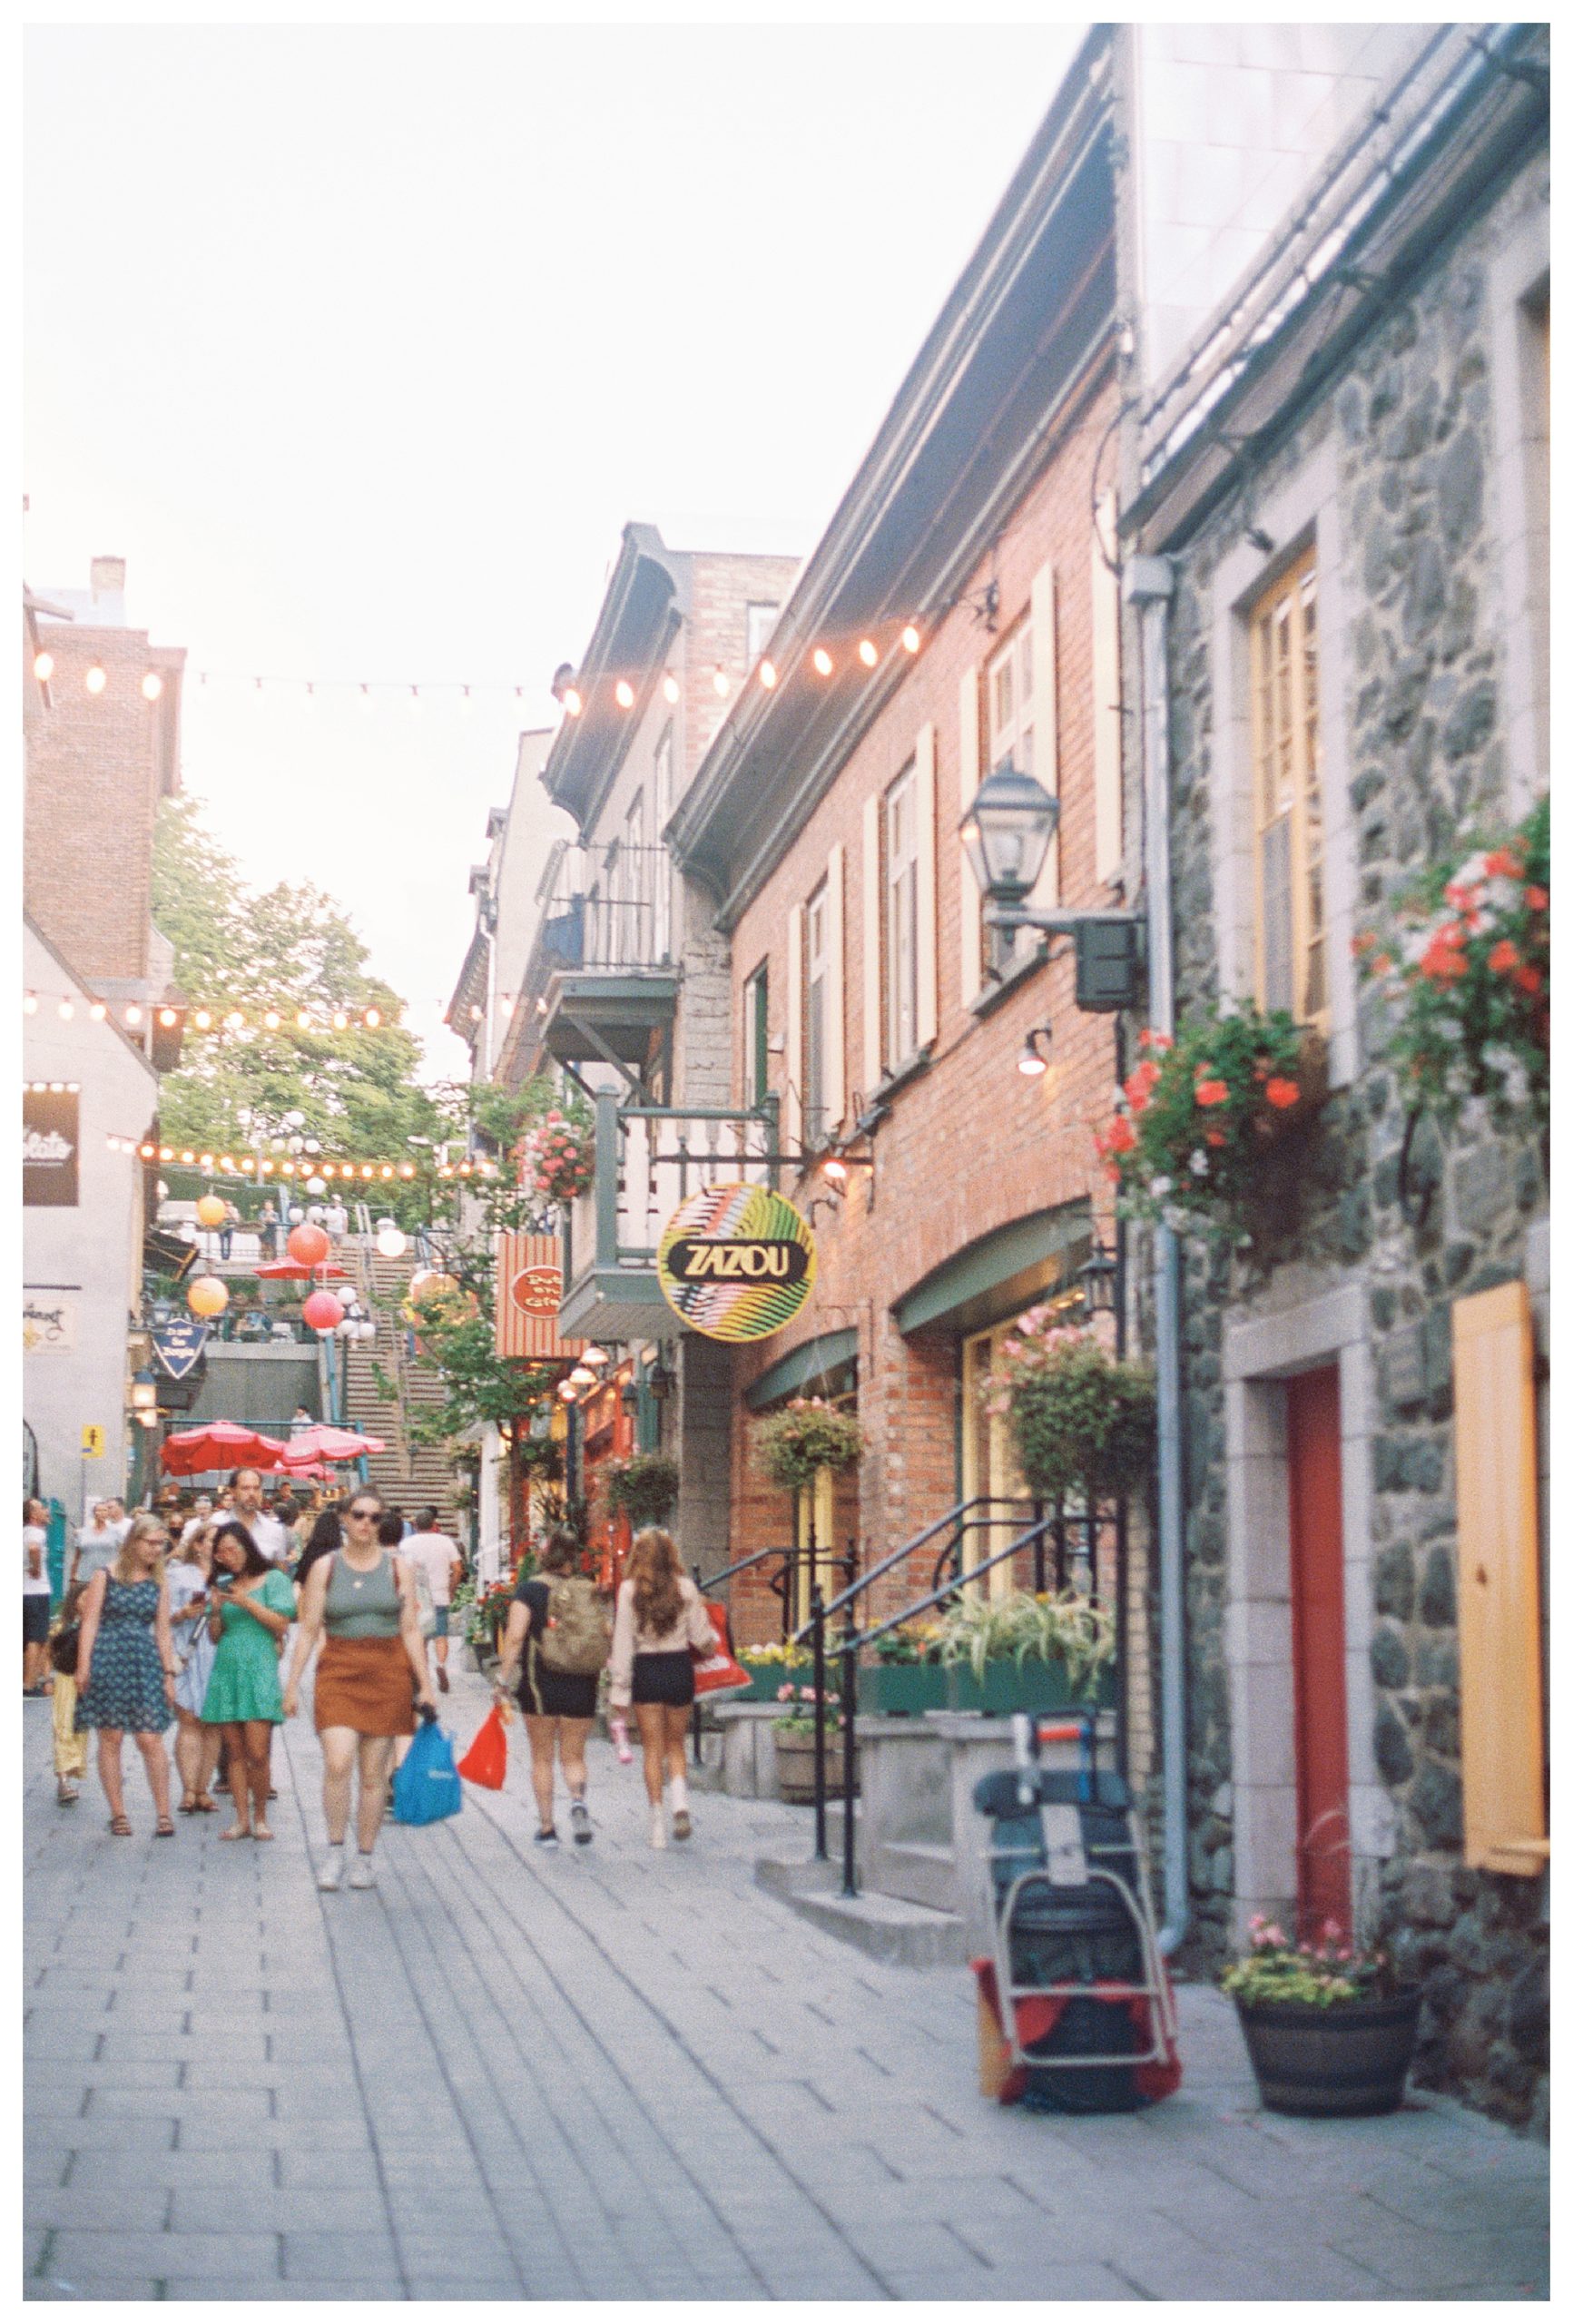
(785, 1694)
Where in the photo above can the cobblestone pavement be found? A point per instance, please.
(610, 2073)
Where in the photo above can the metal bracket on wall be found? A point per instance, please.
(1415, 1194)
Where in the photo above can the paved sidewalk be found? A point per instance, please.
(613, 2075)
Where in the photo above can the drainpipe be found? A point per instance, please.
(1149, 583)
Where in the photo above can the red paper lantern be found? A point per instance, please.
(309, 1246)
(322, 1312)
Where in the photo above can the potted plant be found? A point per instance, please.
(906, 1677)
(765, 1666)
(1331, 2028)
(1199, 1112)
(794, 1745)
(558, 1156)
(1464, 967)
(809, 1435)
(1024, 1651)
(643, 1486)
(1081, 1418)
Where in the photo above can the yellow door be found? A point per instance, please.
(816, 1526)
(988, 1469)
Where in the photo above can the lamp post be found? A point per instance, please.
(1006, 832)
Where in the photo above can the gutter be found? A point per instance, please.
(1149, 584)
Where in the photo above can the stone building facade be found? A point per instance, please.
(1409, 477)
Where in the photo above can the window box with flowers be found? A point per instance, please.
(767, 1667)
(1200, 1111)
(809, 1435)
(558, 1156)
(1463, 966)
(1331, 2027)
(906, 1677)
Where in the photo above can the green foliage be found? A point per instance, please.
(1464, 967)
(914, 1642)
(1081, 1418)
(644, 1486)
(809, 1435)
(1198, 1112)
(798, 1718)
(1276, 1969)
(1059, 1627)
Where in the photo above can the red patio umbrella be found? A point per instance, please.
(219, 1444)
(291, 1271)
(325, 1443)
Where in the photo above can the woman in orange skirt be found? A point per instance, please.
(371, 1674)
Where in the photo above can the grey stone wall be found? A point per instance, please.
(1410, 421)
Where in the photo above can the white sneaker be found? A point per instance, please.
(657, 1827)
(579, 1819)
(363, 1872)
(332, 1875)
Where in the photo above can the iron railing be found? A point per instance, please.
(610, 908)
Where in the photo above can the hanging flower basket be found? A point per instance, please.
(1195, 1120)
(1464, 966)
(558, 1157)
(809, 1435)
(1081, 1418)
(643, 1486)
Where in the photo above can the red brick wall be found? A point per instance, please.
(971, 1144)
(93, 776)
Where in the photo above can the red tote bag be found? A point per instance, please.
(719, 1672)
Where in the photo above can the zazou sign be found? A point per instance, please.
(736, 1262)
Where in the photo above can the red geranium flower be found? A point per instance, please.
(1212, 1093)
(1215, 1137)
(1536, 899)
(1503, 956)
(1282, 1093)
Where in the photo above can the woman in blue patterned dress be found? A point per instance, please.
(125, 1668)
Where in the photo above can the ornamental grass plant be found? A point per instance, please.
(1060, 1626)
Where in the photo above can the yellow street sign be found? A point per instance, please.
(93, 1441)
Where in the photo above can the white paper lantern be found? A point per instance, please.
(392, 1242)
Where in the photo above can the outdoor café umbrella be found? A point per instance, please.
(291, 1271)
(219, 1444)
(325, 1443)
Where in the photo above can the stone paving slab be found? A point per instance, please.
(614, 2074)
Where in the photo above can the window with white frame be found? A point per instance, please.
(901, 900)
(661, 869)
(761, 622)
(816, 1002)
(1291, 918)
(632, 901)
(1008, 734)
(756, 1037)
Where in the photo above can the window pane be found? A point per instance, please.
(1277, 935)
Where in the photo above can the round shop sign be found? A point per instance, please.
(736, 1262)
(538, 1291)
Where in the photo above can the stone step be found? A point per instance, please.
(886, 1928)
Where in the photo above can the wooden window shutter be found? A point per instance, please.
(1500, 1706)
(969, 751)
(928, 906)
(791, 1116)
(836, 988)
(1106, 724)
(1046, 720)
(873, 988)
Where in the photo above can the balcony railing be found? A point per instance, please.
(610, 908)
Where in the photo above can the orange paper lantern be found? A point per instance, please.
(309, 1246)
(207, 1296)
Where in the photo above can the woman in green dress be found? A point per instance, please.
(250, 1617)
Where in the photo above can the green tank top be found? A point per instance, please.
(362, 1605)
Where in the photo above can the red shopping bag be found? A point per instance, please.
(486, 1761)
(719, 1672)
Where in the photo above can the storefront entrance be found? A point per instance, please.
(989, 1470)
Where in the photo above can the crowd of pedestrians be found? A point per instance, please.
(190, 1628)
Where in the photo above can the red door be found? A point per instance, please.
(1316, 1595)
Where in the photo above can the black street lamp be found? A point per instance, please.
(1007, 833)
(1099, 1280)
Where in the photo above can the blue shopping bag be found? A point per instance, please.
(426, 1786)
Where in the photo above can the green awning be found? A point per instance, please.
(1001, 1272)
(804, 1364)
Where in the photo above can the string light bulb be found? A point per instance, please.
(43, 667)
(670, 687)
(573, 700)
(271, 1020)
(415, 698)
(366, 700)
(30, 1004)
(201, 1020)
(339, 1021)
(867, 653)
(767, 674)
(719, 680)
(96, 679)
(464, 704)
(168, 1016)
(152, 685)
(67, 1008)
(98, 1012)
(822, 661)
(133, 1015)
(234, 1020)
(624, 694)
(911, 638)
(303, 1019)
(374, 1018)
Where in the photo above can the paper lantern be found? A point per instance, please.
(211, 1210)
(309, 1246)
(207, 1296)
(392, 1242)
(322, 1312)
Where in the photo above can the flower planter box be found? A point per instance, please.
(1350, 2058)
(902, 1689)
(794, 1760)
(1007, 1686)
(769, 1678)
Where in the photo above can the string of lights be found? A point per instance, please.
(215, 1017)
(256, 1167)
(867, 652)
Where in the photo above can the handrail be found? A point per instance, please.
(1022, 1542)
(952, 1518)
(787, 1550)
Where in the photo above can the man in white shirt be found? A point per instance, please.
(444, 1563)
(336, 1220)
(117, 1517)
(97, 1546)
(271, 1538)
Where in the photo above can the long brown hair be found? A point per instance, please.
(657, 1579)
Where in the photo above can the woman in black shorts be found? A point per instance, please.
(559, 1706)
(661, 1616)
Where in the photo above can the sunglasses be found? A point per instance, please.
(366, 1515)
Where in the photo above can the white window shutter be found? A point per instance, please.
(1046, 720)
(969, 752)
(927, 910)
(836, 987)
(873, 988)
(792, 1113)
(1108, 790)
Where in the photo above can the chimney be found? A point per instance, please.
(108, 577)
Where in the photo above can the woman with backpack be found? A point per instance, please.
(558, 1626)
(661, 1620)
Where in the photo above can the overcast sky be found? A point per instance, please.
(360, 345)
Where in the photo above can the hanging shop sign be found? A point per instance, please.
(50, 1141)
(529, 1294)
(48, 1322)
(178, 1345)
(736, 1262)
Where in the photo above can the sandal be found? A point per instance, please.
(163, 1829)
(65, 1793)
(187, 1807)
(202, 1805)
(237, 1832)
(120, 1826)
(261, 1832)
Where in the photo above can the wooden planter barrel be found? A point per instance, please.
(1351, 2058)
(794, 1762)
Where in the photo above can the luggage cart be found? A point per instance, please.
(1074, 1930)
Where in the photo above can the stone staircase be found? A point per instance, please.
(410, 1475)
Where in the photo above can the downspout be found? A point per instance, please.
(1149, 583)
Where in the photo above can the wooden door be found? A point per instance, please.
(1320, 1706)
